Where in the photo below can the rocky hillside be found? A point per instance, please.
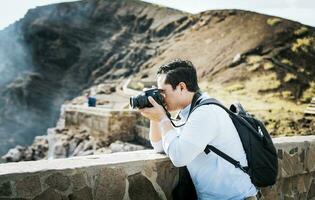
(57, 52)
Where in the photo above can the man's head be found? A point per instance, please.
(178, 80)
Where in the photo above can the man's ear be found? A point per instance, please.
(182, 86)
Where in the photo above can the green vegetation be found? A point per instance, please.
(256, 61)
(268, 65)
(274, 21)
(136, 85)
(287, 95)
(281, 116)
(254, 67)
(302, 30)
(303, 44)
(286, 62)
(235, 87)
(289, 77)
(252, 59)
(268, 82)
(309, 93)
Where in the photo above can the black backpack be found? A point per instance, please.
(260, 151)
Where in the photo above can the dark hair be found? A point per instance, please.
(180, 71)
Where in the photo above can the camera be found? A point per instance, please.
(142, 101)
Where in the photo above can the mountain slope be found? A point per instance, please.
(61, 50)
(64, 48)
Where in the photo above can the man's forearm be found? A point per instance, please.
(157, 129)
(165, 125)
(155, 132)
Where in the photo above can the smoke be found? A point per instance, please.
(49, 55)
(14, 56)
(15, 61)
(35, 56)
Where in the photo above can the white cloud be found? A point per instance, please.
(297, 10)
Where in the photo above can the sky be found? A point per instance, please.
(298, 10)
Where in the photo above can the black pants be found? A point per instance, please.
(185, 188)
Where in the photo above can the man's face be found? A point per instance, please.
(171, 96)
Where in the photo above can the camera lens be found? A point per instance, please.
(133, 102)
(142, 101)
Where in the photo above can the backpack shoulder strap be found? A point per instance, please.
(232, 114)
(212, 101)
(231, 160)
(212, 148)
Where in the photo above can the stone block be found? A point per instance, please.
(28, 187)
(291, 165)
(58, 181)
(310, 158)
(311, 191)
(78, 181)
(104, 124)
(89, 122)
(110, 184)
(68, 120)
(5, 189)
(95, 124)
(80, 118)
(141, 188)
(50, 194)
(270, 193)
(142, 133)
(166, 177)
(82, 194)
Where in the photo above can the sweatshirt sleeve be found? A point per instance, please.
(200, 129)
(157, 146)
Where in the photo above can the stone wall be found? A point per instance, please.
(127, 175)
(106, 124)
(143, 175)
(296, 178)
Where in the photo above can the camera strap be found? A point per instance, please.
(195, 101)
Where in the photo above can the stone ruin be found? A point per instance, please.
(143, 174)
(138, 174)
(83, 131)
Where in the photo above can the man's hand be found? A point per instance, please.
(156, 113)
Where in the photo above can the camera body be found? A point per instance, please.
(142, 101)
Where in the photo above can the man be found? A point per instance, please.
(213, 177)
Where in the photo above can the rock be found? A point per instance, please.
(14, 155)
(39, 148)
(59, 150)
(50, 194)
(105, 89)
(132, 147)
(28, 186)
(73, 144)
(60, 72)
(88, 145)
(78, 149)
(238, 59)
(86, 153)
(140, 188)
(119, 146)
(58, 181)
(105, 179)
(103, 150)
(82, 194)
(116, 146)
(5, 189)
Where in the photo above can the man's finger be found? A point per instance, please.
(152, 101)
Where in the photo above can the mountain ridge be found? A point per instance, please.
(71, 47)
